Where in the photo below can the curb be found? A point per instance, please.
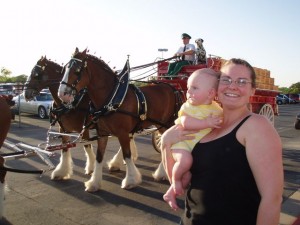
(290, 210)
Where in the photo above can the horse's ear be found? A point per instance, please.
(84, 52)
(76, 51)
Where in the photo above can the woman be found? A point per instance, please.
(237, 172)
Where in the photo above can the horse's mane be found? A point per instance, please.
(99, 61)
(51, 62)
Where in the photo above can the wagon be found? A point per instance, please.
(263, 102)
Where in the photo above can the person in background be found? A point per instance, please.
(200, 112)
(237, 170)
(186, 54)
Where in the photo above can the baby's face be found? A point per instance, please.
(198, 92)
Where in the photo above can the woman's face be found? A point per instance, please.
(235, 86)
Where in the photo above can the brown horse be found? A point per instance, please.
(5, 120)
(118, 115)
(47, 73)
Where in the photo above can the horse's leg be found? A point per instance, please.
(160, 173)
(89, 153)
(115, 163)
(90, 159)
(64, 170)
(134, 153)
(133, 177)
(2, 186)
(95, 182)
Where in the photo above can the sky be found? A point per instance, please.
(266, 33)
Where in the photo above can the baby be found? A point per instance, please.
(199, 113)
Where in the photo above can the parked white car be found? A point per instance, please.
(40, 105)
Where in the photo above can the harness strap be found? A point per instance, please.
(56, 113)
(142, 103)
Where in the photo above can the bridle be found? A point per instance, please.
(79, 66)
(38, 75)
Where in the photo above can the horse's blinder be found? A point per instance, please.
(36, 74)
(79, 65)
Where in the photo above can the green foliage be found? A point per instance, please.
(283, 89)
(293, 89)
(5, 77)
(5, 72)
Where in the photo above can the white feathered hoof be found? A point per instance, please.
(90, 160)
(95, 182)
(64, 170)
(114, 166)
(89, 168)
(160, 173)
(60, 175)
(133, 176)
(91, 186)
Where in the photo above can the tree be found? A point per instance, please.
(19, 79)
(5, 73)
(294, 88)
(5, 77)
(284, 89)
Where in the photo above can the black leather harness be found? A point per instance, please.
(117, 97)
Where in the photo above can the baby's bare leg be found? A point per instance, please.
(183, 162)
(170, 198)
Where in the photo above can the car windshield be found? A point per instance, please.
(44, 97)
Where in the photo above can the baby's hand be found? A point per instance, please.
(214, 121)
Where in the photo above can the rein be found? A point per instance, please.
(151, 64)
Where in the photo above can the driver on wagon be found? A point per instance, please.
(187, 54)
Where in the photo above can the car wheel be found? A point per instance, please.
(279, 102)
(42, 112)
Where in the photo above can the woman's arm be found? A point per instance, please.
(264, 154)
(191, 123)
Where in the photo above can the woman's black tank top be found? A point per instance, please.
(223, 190)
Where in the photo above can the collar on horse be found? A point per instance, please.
(117, 97)
(56, 113)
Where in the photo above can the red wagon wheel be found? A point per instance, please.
(156, 141)
(267, 111)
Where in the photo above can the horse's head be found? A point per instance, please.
(85, 71)
(75, 77)
(44, 74)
